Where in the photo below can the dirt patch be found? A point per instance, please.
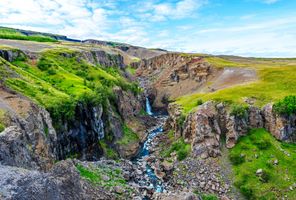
(25, 45)
(13, 103)
(229, 77)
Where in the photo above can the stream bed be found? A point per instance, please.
(150, 180)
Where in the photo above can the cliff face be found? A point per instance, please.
(172, 75)
(211, 122)
(33, 140)
(29, 140)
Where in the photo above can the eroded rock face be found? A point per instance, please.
(81, 135)
(202, 129)
(127, 103)
(11, 55)
(281, 127)
(61, 182)
(29, 141)
(205, 127)
(172, 75)
(103, 58)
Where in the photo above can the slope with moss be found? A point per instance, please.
(79, 95)
(60, 79)
(259, 151)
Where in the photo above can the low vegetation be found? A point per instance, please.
(2, 126)
(276, 161)
(286, 106)
(181, 149)
(60, 80)
(276, 80)
(106, 177)
(239, 111)
(108, 151)
(131, 70)
(129, 136)
(7, 33)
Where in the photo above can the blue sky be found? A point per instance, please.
(263, 28)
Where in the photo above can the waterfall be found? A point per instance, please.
(148, 107)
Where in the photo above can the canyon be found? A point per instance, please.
(101, 120)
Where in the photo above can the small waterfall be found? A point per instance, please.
(148, 107)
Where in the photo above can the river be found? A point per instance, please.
(151, 180)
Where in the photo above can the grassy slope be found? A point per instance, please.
(7, 33)
(276, 80)
(128, 137)
(59, 79)
(279, 177)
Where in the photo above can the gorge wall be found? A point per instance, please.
(212, 122)
(32, 139)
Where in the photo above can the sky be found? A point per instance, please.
(259, 28)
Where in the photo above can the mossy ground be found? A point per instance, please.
(179, 146)
(104, 176)
(259, 150)
(129, 136)
(276, 80)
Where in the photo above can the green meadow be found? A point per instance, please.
(276, 79)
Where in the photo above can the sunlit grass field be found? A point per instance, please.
(277, 79)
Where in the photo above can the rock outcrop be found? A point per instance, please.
(61, 182)
(103, 58)
(211, 122)
(29, 141)
(173, 74)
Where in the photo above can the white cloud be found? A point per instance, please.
(69, 17)
(179, 10)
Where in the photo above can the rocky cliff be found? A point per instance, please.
(32, 139)
(212, 122)
(172, 75)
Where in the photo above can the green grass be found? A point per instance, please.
(2, 124)
(181, 148)
(128, 136)
(131, 70)
(108, 151)
(276, 179)
(95, 175)
(286, 106)
(276, 80)
(60, 79)
(7, 33)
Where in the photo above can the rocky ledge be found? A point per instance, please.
(212, 121)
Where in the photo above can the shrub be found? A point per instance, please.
(181, 148)
(199, 102)
(236, 158)
(51, 72)
(182, 154)
(44, 64)
(63, 110)
(262, 144)
(239, 111)
(286, 105)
